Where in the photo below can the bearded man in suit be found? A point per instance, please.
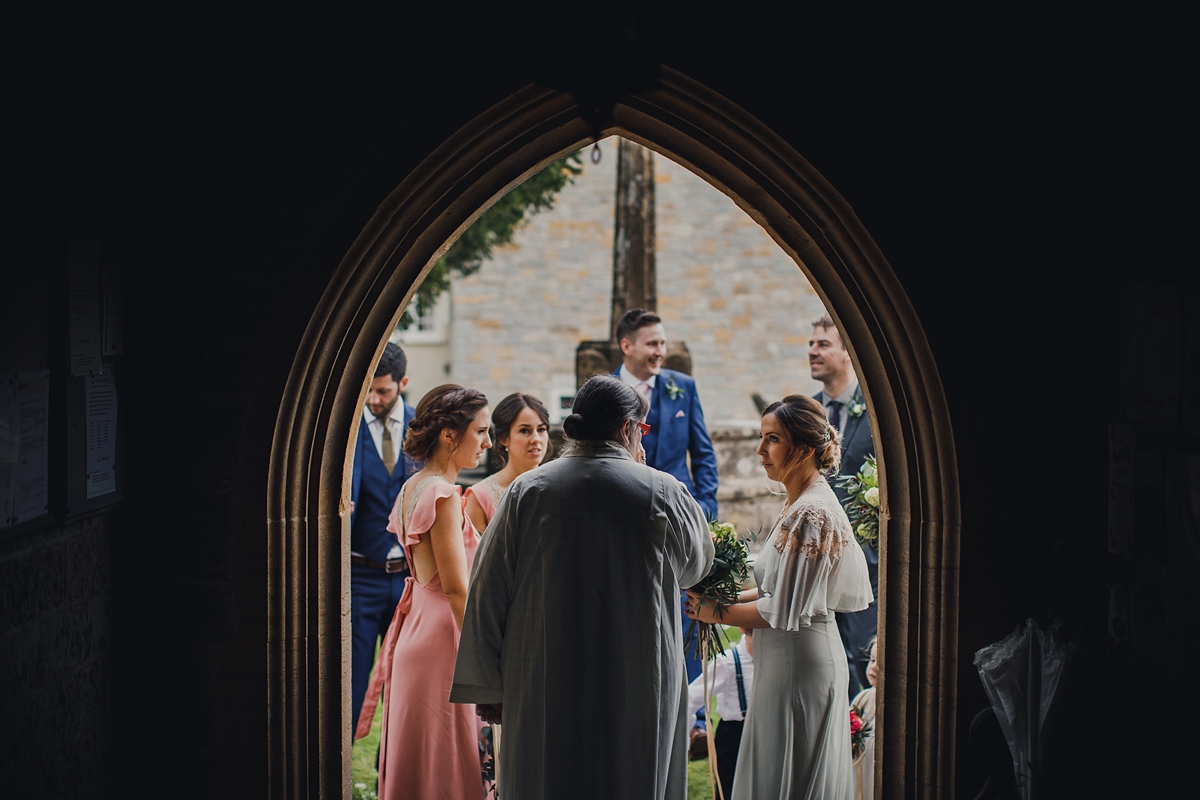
(377, 564)
(846, 410)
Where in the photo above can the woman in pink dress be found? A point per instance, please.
(522, 427)
(429, 746)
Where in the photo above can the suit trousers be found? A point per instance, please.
(374, 595)
(727, 741)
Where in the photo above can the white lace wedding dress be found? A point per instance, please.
(796, 740)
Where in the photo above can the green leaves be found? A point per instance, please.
(862, 501)
(720, 588)
(495, 228)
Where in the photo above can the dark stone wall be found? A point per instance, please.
(229, 167)
(56, 695)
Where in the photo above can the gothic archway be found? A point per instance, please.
(307, 508)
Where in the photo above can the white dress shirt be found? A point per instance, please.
(636, 382)
(846, 398)
(722, 681)
(395, 424)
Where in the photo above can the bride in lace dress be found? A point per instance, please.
(796, 739)
(522, 427)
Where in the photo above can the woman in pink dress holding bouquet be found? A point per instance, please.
(429, 746)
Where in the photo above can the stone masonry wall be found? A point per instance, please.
(55, 666)
(742, 305)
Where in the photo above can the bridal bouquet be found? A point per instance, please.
(862, 501)
(730, 568)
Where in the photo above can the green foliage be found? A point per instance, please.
(496, 227)
(730, 569)
(862, 501)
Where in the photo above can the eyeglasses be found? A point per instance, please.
(644, 428)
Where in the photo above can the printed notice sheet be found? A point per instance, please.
(85, 308)
(33, 420)
(101, 404)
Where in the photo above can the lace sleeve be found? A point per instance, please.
(815, 530)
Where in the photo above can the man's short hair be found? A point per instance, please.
(633, 321)
(393, 362)
(825, 322)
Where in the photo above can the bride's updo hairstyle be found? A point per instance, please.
(803, 421)
(602, 406)
(449, 406)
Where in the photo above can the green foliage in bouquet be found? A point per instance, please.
(862, 501)
(730, 568)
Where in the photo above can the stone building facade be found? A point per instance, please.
(724, 287)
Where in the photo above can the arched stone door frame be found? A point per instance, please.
(308, 515)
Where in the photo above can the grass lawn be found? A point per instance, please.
(363, 759)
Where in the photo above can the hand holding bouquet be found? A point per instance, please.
(730, 568)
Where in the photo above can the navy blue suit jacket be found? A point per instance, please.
(857, 627)
(856, 441)
(677, 430)
(366, 449)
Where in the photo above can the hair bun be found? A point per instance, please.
(573, 425)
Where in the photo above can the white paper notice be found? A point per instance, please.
(33, 421)
(9, 449)
(1122, 445)
(85, 308)
(101, 435)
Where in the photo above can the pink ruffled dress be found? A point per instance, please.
(487, 493)
(429, 746)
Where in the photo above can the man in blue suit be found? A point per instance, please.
(676, 419)
(377, 564)
(677, 429)
(842, 398)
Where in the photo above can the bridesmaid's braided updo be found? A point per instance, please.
(449, 406)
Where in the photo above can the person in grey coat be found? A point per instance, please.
(573, 614)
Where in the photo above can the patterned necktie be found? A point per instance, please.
(835, 415)
(389, 449)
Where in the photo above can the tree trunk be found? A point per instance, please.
(634, 278)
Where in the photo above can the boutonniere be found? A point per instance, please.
(856, 409)
(674, 391)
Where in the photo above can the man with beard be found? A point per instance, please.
(377, 564)
(846, 410)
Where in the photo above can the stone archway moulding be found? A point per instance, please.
(307, 508)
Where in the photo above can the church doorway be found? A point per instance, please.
(308, 506)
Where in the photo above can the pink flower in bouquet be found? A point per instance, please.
(855, 722)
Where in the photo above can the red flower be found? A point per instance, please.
(855, 722)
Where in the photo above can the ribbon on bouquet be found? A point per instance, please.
(496, 760)
(714, 776)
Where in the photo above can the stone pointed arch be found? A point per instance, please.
(307, 508)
